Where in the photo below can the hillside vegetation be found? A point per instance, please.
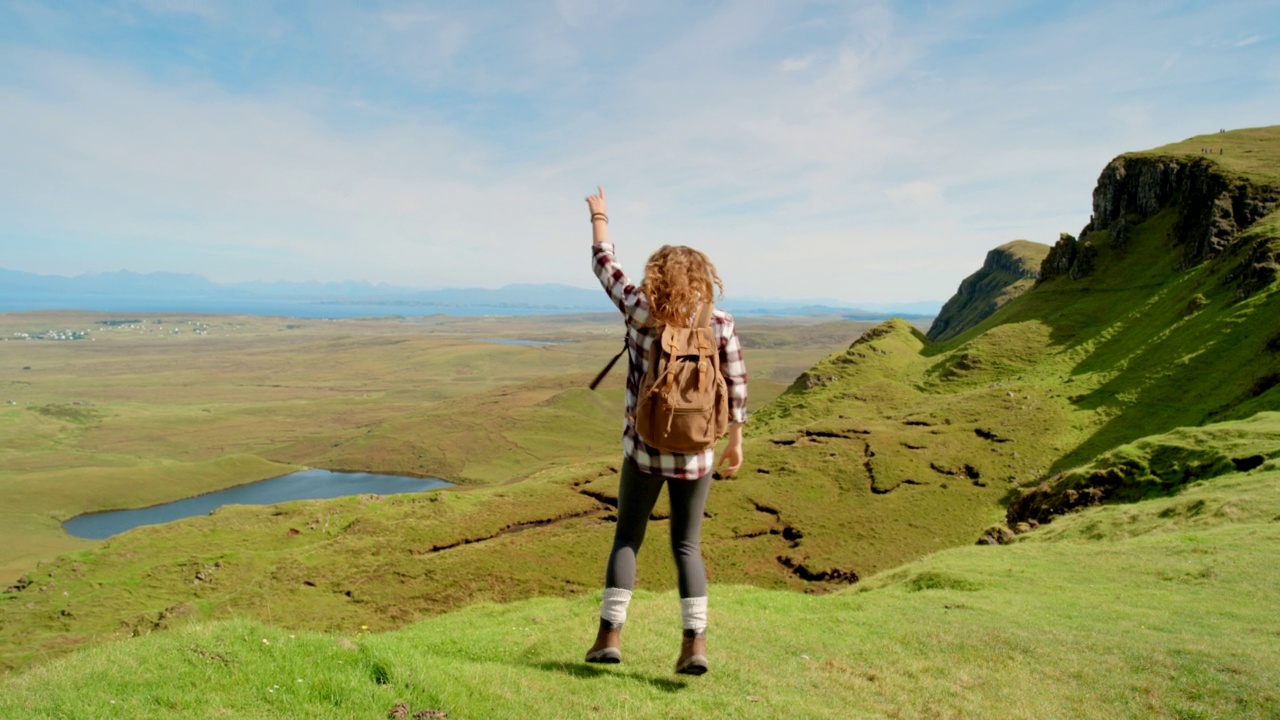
(1160, 609)
(1160, 318)
(1009, 270)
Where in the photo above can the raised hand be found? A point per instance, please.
(598, 206)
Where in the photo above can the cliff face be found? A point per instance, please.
(1213, 209)
(1008, 271)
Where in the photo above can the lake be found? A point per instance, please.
(306, 485)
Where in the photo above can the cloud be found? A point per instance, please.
(1248, 41)
(895, 143)
(918, 194)
(796, 64)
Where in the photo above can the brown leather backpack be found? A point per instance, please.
(683, 403)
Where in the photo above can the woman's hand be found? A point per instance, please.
(598, 206)
(731, 458)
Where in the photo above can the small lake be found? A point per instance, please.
(305, 485)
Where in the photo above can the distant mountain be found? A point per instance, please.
(185, 292)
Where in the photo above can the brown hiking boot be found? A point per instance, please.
(693, 653)
(608, 644)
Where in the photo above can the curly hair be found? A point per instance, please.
(677, 279)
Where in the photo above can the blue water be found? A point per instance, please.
(285, 307)
(305, 485)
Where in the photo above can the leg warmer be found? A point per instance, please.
(613, 607)
(693, 614)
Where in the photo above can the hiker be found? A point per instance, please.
(676, 291)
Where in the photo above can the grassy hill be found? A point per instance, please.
(1159, 609)
(859, 477)
(1009, 270)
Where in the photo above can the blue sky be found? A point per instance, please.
(861, 151)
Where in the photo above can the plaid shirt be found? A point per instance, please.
(640, 337)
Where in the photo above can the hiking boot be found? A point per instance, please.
(608, 641)
(693, 653)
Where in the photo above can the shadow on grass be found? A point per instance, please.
(589, 672)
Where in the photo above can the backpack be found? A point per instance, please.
(683, 402)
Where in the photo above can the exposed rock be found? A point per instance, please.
(1069, 257)
(1050, 498)
(1258, 269)
(831, 575)
(1008, 271)
(22, 584)
(1212, 208)
(809, 380)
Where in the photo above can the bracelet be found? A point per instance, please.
(600, 215)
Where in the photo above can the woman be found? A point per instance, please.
(677, 281)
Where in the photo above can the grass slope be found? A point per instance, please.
(1009, 270)
(1160, 609)
(1156, 465)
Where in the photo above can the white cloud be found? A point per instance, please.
(1248, 41)
(796, 64)
(894, 158)
(918, 194)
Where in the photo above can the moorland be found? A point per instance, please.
(1108, 434)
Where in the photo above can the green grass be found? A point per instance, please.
(1157, 465)
(1110, 613)
(1253, 153)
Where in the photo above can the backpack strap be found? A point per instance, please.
(704, 315)
(608, 367)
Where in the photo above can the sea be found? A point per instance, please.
(284, 307)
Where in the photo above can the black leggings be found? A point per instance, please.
(637, 494)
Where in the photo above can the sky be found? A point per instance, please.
(861, 151)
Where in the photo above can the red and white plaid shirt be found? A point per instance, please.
(640, 336)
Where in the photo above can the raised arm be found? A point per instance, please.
(734, 370)
(624, 294)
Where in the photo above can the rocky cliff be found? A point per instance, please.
(1212, 209)
(1008, 271)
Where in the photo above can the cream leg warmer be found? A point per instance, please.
(613, 606)
(693, 614)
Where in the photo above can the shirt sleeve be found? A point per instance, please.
(624, 294)
(734, 370)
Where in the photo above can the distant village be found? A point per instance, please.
(52, 335)
(140, 326)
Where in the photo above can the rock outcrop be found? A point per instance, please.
(1008, 271)
(1070, 257)
(1212, 209)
